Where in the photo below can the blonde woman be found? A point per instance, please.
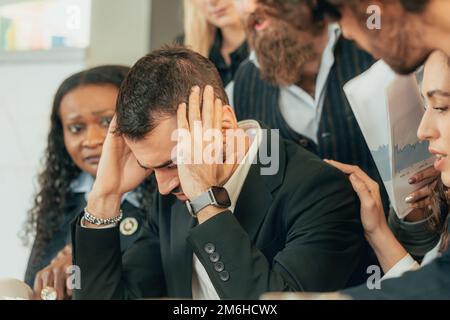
(214, 29)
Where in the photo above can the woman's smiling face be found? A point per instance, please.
(220, 13)
(435, 125)
(85, 113)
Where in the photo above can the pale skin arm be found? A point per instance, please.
(387, 248)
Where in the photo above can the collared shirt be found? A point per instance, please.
(84, 183)
(407, 263)
(202, 287)
(301, 111)
(226, 71)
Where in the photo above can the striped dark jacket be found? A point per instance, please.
(339, 136)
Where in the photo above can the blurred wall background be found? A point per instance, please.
(121, 31)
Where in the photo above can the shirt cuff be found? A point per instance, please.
(407, 263)
(109, 226)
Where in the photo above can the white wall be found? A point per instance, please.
(26, 92)
(120, 31)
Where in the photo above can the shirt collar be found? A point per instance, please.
(84, 183)
(235, 183)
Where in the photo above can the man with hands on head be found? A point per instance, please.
(220, 229)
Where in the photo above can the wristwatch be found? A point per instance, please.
(215, 196)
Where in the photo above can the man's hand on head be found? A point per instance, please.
(118, 173)
(200, 147)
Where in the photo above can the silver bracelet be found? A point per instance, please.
(102, 222)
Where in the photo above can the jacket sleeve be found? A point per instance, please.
(107, 274)
(429, 282)
(323, 246)
(416, 237)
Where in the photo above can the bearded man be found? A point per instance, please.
(293, 81)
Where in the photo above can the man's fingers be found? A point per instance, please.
(430, 172)
(194, 107)
(208, 108)
(182, 117)
(113, 124)
(218, 110)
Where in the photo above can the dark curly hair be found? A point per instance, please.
(45, 218)
(310, 14)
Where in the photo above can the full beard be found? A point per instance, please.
(281, 52)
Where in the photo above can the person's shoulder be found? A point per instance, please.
(246, 68)
(305, 167)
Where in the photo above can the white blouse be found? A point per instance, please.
(407, 263)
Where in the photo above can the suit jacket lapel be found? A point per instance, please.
(256, 197)
(181, 252)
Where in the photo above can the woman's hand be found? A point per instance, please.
(387, 248)
(55, 276)
(372, 213)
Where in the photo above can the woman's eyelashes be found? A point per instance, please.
(105, 121)
(76, 128)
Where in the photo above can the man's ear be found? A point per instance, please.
(229, 120)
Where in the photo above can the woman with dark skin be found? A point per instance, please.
(82, 110)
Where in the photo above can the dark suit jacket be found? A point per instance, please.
(296, 230)
(42, 257)
(430, 282)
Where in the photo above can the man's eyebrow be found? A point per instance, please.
(443, 93)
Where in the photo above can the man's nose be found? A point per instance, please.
(167, 181)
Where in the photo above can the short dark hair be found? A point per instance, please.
(157, 84)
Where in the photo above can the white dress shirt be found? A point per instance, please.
(407, 263)
(202, 287)
(301, 111)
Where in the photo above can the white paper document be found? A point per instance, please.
(388, 108)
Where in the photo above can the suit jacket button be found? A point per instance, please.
(219, 266)
(214, 257)
(224, 276)
(209, 248)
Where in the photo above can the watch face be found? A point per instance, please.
(221, 196)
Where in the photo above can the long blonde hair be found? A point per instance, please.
(198, 32)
